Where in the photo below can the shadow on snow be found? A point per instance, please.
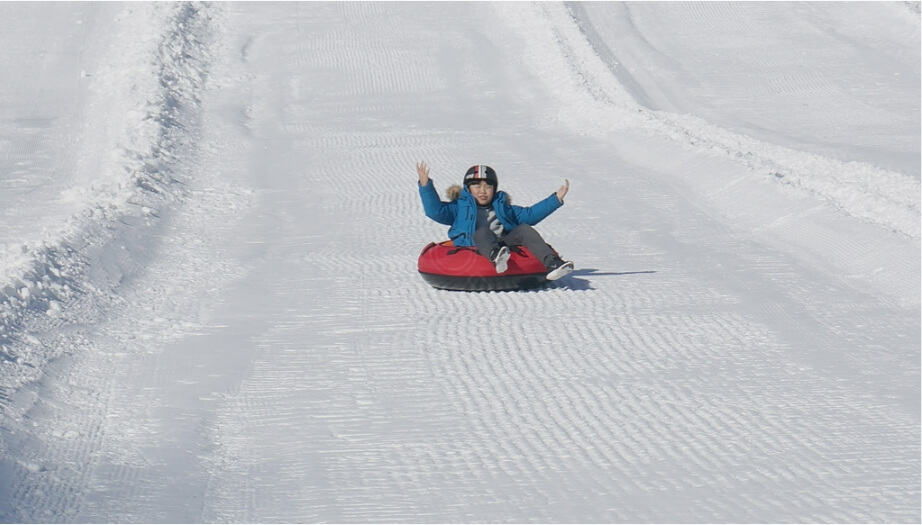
(577, 279)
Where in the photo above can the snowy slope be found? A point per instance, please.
(209, 307)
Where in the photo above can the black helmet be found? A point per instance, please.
(480, 172)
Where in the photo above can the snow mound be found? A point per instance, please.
(151, 94)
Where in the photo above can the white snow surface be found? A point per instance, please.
(209, 224)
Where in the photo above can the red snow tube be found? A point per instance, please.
(450, 267)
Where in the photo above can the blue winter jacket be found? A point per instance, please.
(461, 213)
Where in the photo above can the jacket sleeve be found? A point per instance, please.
(436, 209)
(536, 213)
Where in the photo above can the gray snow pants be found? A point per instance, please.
(522, 235)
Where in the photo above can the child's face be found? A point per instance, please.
(482, 192)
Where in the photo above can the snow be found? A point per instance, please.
(209, 305)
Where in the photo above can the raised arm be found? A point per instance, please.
(423, 171)
(562, 192)
(435, 208)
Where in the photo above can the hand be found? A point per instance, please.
(423, 170)
(562, 192)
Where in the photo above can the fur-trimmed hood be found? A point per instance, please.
(453, 192)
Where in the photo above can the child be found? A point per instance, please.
(482, 217)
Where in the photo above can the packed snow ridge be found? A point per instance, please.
(155, 126)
